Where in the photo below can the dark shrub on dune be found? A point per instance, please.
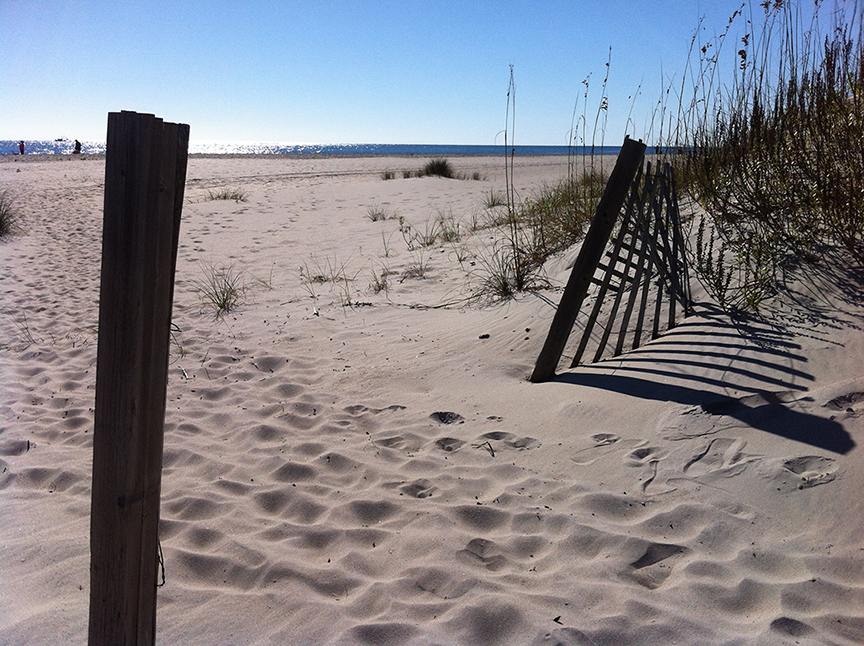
(439, 167)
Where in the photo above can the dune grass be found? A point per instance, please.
(235, 194)
(8, 214)
(439, 168)
(776, 157)
(327, 270)
(378, 212)
(380, 279)
(494, 199)
(534, 228)
(449, 228)
(222, 288)
(773, 154)
(559, 215)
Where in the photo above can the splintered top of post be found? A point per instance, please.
(143, 115)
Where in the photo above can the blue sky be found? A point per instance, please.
(336, 71)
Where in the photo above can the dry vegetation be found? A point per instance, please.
(775, 158)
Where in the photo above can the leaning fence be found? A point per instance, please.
(630, 282)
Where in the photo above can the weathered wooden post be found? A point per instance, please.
(145, 175)
(628, 163)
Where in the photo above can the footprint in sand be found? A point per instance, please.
(647, 459)
(601, 444)
(791, 627)
(505, 440)
(409, 442)
(846, 403)
(605, 439)
(655, 565)
(483, 552)
(445, 584)
(447, 417)
(418, 489)
(804, 472)
(360, 409)
(14, 447)
(722, 456)
(449, 444)
(364, 417)
(643, 455)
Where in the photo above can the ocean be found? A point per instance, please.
(65, 147)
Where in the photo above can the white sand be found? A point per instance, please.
(310, 496)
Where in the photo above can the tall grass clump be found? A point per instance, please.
(8, 215)
(775, 156)
(377, 212)
(505, 271)
(439, 167)
(578, 133)
(494, 199)
(512, 266)
(222, 288)
(537, 227)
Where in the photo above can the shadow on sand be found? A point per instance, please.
(755, 358)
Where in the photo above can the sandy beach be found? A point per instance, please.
(354, 455)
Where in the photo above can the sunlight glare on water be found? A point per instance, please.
(66, 146)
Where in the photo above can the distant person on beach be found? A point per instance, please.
(21, 146)
(77, 150)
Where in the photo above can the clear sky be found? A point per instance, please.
(340, 71)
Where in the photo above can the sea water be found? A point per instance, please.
(66, 146)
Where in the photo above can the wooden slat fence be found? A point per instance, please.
(642, 283)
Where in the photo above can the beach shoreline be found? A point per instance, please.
(345, 464)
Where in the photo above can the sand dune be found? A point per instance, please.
(349, 467)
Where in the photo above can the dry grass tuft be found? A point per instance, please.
(236, 194)
(8, 215)
(222, 289)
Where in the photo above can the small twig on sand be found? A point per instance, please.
(485, 445)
